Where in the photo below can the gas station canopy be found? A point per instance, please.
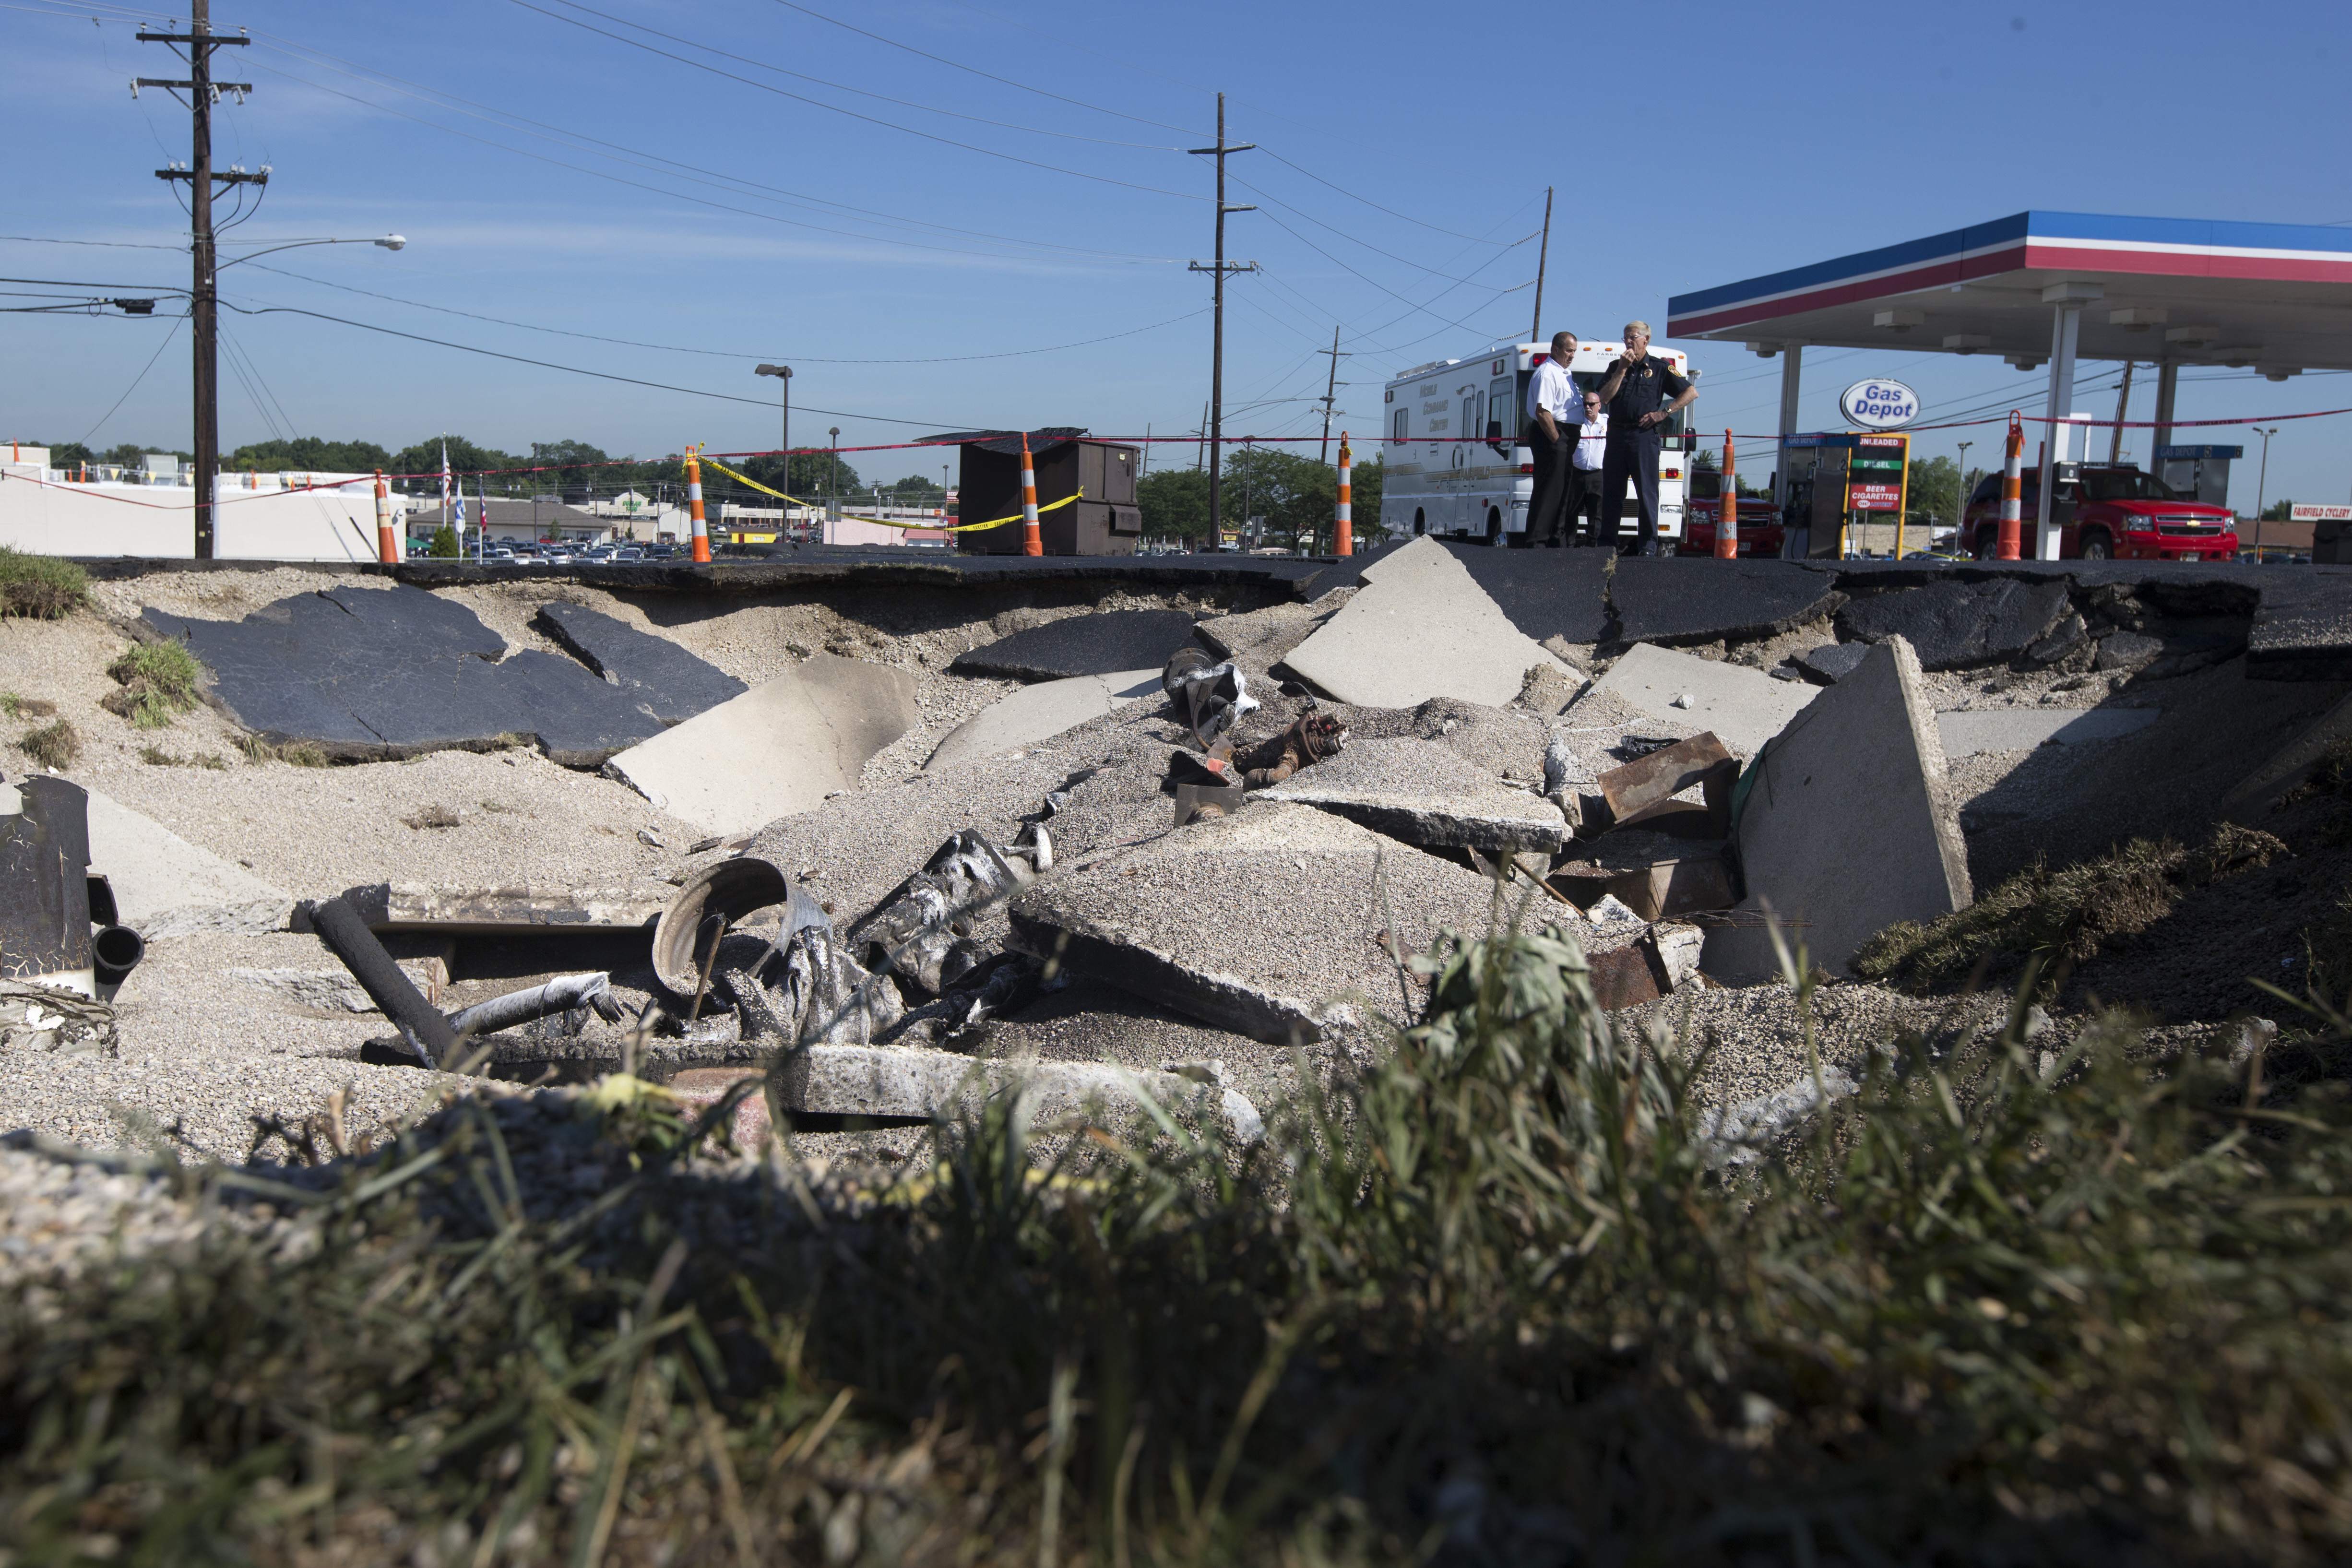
(2277, 297)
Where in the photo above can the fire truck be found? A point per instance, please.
(1455, 460)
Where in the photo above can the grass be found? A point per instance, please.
(158, 682)
(15, 707)
(156, 756)
(2056, 921)
(1496, 1300)
(301, 753)
(40, 586)
(53, 745)
(433, 815)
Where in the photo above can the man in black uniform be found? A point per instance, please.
(1636, 396)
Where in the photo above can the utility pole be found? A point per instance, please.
(2262, 488)
(1217, 355)
(1331, 390)
(204, 302)
(2123, 407)
(1543, 255)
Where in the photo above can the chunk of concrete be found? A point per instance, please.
(2303, 628)
(657, 674)
(1968, 732)
(1848, 823)
(1106, 643)
(2129, 650)
(780, 747)
(1833, 661)
(1420, 629)
(515, 910)
(1039, 712)
(1953, 626)
(167, 887)
(1744, 707)
(1268, 923)
(902, 1083)
(1546, 594)
(2257, 794)
(1423, 793)
(320, 993)
(1673, 599)
(1259, 639)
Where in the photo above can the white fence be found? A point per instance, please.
(263, 517)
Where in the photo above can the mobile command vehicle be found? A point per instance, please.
(1435, 482)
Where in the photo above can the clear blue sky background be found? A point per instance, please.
(903, 229)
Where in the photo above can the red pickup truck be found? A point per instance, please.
(2107, 511)
(1759, 520)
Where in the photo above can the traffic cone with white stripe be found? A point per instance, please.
(1343, 518)
(1032, 541)
(2013, 491)
(387, 549)
(694, 506)
(1727, 522)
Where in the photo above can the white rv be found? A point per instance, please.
(1456, 459)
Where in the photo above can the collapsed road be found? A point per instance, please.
(883, 836)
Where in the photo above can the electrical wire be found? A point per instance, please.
(136, 379)
(868, 119)
(720, 353)
(1353, 240)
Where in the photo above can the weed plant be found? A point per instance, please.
(1498, 1299)
(54, 745)
(13, 705)
(159, 681)
(42, 587)
(301, 753)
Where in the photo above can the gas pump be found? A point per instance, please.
(2198, 473)
(1833, 476)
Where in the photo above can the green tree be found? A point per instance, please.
(67, 454)
(1935, 490)
(1174, 503)
(2278, 511)
(1364, 484)
(444, 542)
(309, 453)
(423, 461)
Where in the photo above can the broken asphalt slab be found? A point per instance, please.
(1104, 643)
(1545, 592)
(1268, 923)
(1846, 824)
(372, 675)
(780, 747)
(665, 680)
(1744, 707)
(1421, 627)
(1956, 625)
(1968, 732)
(2255, 795)
(1423, 793)
(1039, 712)
(2303, 629)
(1673, 599)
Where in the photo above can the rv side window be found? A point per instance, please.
(1503, 408)
(1396, 422)
(1473, 411)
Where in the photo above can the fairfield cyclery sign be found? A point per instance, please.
(1879, 405)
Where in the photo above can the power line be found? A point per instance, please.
(135, 379)
(837, 108)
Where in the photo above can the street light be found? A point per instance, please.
(388, 241)
(783, 374)
(2261, 484)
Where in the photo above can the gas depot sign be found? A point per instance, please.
(1879, 405)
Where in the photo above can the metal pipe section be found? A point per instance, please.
(1343, 518)
(2013, 487)
(349, 939)
(559, 996)
(694, 506)
(114, 953)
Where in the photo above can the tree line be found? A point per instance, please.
(1294, 495)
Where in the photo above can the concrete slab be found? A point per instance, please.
(1421, 627)
(1675, 599)
(167, 887)
(2255, 795)
(1103, 644)
(927, 1085)
(780, 747)
(1956, 625)
(1267, 923)
(1744, 707)
(665, 680)
(1423, 793)
(1848, 822)
(1038, 712)
(371, 675)
(1259, 639)
(2303, 630)
(1968, 733)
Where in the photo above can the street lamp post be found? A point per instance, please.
(2262, 487)
(1960, 507)
(783, 374)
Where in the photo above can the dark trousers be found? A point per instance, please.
(1549, 509)
(1634, 456)
(1584, 505)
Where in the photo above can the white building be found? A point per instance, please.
(149, 510)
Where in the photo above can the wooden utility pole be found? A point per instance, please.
(204, 300)
(1217, 353)
(1543, 258)
(1330, 391)
(2123, 412)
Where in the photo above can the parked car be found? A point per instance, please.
(1759, 520)
(2107, 511)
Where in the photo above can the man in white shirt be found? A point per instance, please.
(1584, 473)
(1554, 405)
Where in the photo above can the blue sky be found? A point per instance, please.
(912, 212)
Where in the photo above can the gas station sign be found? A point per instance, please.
(1878, 473)
(1879, 405)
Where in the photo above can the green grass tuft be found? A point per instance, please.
(40, 586)
(158, 680)
(53, 745)
(156, 756)
(301, 753)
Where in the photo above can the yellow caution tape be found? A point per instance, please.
(942, 526)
